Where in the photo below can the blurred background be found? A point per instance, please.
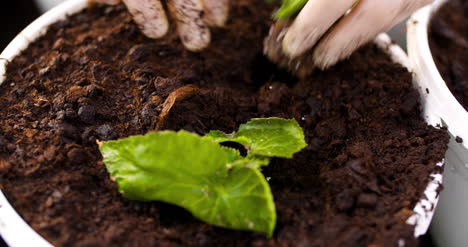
(15, 15)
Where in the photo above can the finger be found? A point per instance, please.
(362, 25)
(110, 2)
(300, 66)
(150, 16)
(216, 12)
(188, 15)
(312, 22)
(272, 44)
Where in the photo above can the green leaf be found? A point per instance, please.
(252, 161)
(216, 184)
(219, 136)
(271, 137)
(290, 8)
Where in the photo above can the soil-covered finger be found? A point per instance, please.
(312, 22)
(273, 48)
(216, 12)
(150, 17)
(188, 15)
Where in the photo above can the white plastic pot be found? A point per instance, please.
(45, 5)
(16, 232)
(440, 107)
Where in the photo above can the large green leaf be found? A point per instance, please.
(214, 183)
(271, 137)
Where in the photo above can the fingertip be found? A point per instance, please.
(272, 45)
(332, 49)
(193, 32)
(300, 66)
(312, 23)
(294, 44)
(325, 59)
(193, 43)
(156, 28)
(335, 47)
(150, 17)
(216, 21)
(216, 12)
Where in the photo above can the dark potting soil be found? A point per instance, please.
(96, 77)
(449, 46)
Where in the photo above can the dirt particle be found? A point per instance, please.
(345, 200)
(4, 166)
(11, 147)
(105, 132)
(77, 156)
(3, 141)
(88, 136)
(75, 92)
(82, 82)
(367, 200)
(69, 131)
(87, 114)
(358, 167)
(70, 114)
(94, 90)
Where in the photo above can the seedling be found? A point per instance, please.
(213, 182)
(289, 8)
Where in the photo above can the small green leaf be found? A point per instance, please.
(290, 8)
(253, 161)
(271, 137)
(214, 183)
(219, 136)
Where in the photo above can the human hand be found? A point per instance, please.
(332, 30)
(192, 17)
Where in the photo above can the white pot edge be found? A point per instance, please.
(13, 229)
(45, 5)
(36, 29)
(440, 106)
(424, 209)
(16, 232)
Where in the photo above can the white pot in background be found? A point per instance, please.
(45, 5)
(440, 107)
(16, 232)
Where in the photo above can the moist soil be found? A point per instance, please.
(96, 77)
(448, 39)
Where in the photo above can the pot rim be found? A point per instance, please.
(16, 232)
(441, 108)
